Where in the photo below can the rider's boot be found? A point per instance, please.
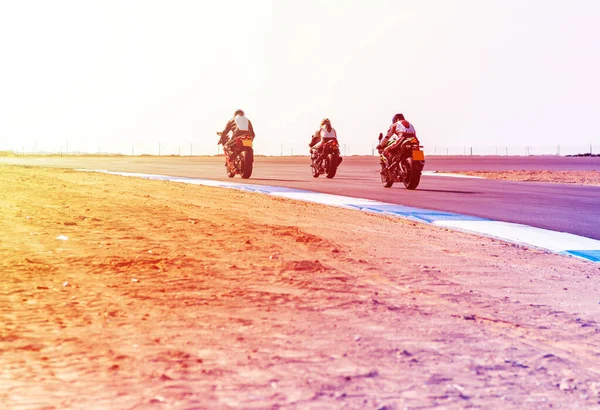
(386, 164)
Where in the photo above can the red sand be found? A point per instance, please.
(176, 296)
(561, 177)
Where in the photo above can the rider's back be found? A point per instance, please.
(328, 134)
(405, 127)
(242, 123)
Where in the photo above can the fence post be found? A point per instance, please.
(471, 151)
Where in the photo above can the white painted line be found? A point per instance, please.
(526, 235)
(326, 199)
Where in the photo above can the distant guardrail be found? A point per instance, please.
(293, 148)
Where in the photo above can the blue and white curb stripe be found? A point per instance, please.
(553, 241)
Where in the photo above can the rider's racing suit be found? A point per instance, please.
(393, 138)
(238, 125)
(321, 136)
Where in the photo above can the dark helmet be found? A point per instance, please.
(238, 112)
(397, 117)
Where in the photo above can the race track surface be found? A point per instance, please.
(560, 207)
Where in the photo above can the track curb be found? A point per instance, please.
(553, 241)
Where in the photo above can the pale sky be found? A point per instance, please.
(120, 74)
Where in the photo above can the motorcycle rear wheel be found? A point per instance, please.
(413, 174)
(246, 162)
(331, 165)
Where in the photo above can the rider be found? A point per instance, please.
(238, 125)
(398, 131)
(325, 133)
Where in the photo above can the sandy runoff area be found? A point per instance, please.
(560, 177)
(126, 293)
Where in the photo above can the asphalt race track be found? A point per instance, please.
(559, 207)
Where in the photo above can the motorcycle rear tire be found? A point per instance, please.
(246, 160)
(331, 166)
(413, 174)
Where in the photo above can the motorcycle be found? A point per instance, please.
(239, 155)
(406, 164)
(326, 160)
